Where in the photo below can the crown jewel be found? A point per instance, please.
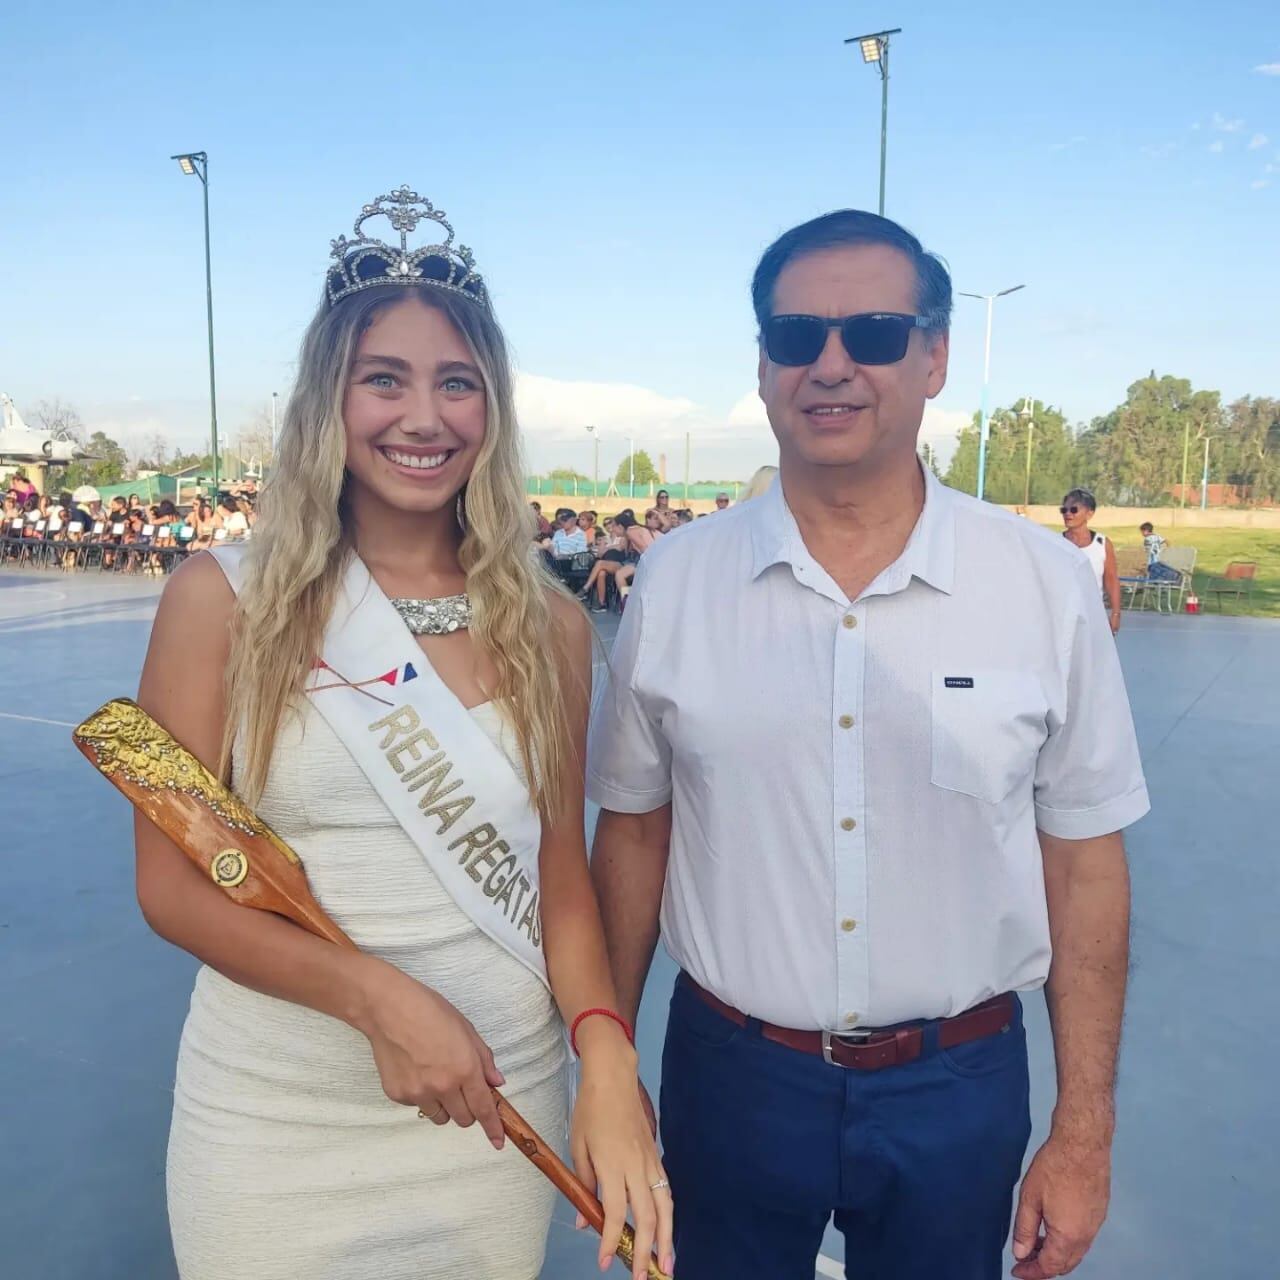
(364, 262)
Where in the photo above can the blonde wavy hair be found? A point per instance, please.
(301, 545)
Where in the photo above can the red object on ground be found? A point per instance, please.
(1193, 603)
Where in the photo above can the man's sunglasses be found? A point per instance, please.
(876, 337)
(1070, 511)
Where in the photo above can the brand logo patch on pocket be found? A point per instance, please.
(958, 682)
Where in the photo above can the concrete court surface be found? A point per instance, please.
(91, 1004)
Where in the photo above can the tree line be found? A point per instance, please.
(1141, 454)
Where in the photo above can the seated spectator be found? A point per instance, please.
(639, 539)
(568, 539)
(611, 554)
(543, 524)
(722, 502)
(203, 523)
(655, 522)
(587, 523)
(228, 516)
(684, 516)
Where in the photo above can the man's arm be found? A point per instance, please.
(1068, 1184)
(629, 869)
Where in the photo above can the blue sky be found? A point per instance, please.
(617, 170)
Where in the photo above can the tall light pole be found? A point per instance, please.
(595, 469)
(1204, 476)
(197, 163)
(875, 48)
(275, 395)
(984, 429)
(631, 455)
(1028, 412)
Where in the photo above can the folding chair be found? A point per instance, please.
(1235, 582)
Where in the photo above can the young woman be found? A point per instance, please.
(1077, 510)
(228, 516)
(203, 523)
(388, 587)
(639, 537)
(611, 553)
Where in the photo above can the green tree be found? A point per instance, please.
(1010, 430)
(645, 471)
(107, 465)
(1250, 448)
(1134, 455)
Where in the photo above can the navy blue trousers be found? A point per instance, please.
(763, 1144)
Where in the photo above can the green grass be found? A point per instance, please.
(1216, 548)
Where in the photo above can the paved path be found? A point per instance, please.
(91, 1003)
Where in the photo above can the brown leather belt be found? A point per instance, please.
(872, 1050)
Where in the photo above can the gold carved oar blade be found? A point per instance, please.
(210, 824)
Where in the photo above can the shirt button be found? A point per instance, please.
(846, 722)
(848, 925)
(847, 824)
(850, 622)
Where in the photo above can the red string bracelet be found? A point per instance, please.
(604, 1013)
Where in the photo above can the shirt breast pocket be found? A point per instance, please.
(988, 728)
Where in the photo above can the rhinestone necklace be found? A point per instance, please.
(437, 617)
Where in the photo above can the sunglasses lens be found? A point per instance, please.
(876, 339)
(794, 340)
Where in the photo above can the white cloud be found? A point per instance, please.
(1257, 141)
(749, 412)
(1071, 142)
(1269, 69)
(1258, 183)
(1216, 147)
(553, 407)
(1223, 125)
(941, 425)
(1159, 150)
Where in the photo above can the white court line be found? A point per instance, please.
(10, 715)
(830, 1267)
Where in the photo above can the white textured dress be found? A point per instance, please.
(286, 1159)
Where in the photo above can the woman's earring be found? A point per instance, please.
(461, 510)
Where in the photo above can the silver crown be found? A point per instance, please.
(365, 262)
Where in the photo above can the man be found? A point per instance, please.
(722, 502)
(568, 538)
(544, 525)
(892, 766)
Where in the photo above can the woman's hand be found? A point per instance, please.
(614, 1150)
(1115, 621)
(428, 1055)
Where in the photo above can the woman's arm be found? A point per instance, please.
(611, 1141)
(1111, 585)
(427, 1054)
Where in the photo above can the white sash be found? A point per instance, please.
(444, 780)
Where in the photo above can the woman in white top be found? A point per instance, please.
(229, 517)
(298, 1145)
(1077, 510)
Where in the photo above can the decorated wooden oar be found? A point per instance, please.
(255, 868)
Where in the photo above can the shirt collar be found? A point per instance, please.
(930, 553)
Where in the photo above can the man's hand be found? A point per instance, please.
(1066, 1189)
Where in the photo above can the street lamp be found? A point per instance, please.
(989, 299)
(595, 466)
(1028, 411)
(197, 163)
(875, 48)
(1204, 476)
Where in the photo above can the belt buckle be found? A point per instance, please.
(852, 1038)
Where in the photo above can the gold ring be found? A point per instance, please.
(422, 1115)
